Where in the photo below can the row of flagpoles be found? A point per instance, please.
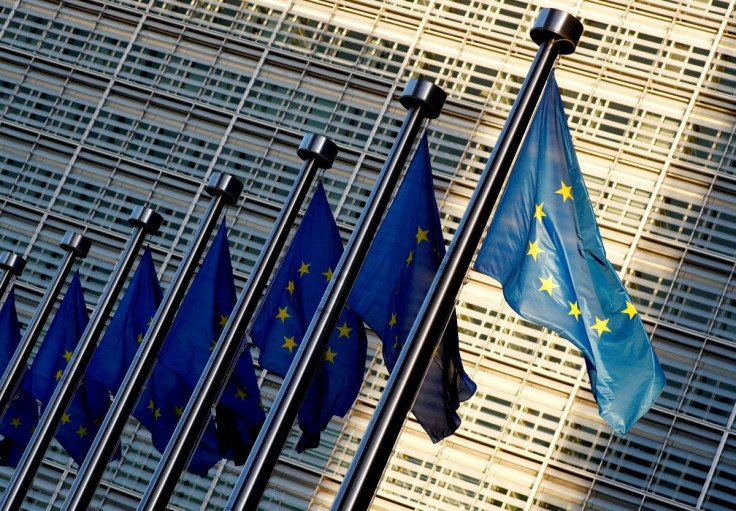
(393, 275)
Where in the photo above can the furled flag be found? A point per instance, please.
(81, 422)
(543, 245)
(196, 328)
(21, 416)
(391, 287)
(39, 381)
(291, 301)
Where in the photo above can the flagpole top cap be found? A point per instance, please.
(319, 148)
(226, 186)
(12, 262)
(423, 94)
(76, 243)
(146, 218)
(554, 25)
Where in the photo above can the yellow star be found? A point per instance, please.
(241, 393)
(65, 418)
(156, 411)
(344, 330)
(58, 374)
(178, 410)
(16, 423)
(574, 311)
(410, 258)
(304, 268)
(421, 235)
(140, 337)
(223, 320)
(289, 343)
(290, 287)
(328, 273)
(396, 342)
(393, 320)
(150, 321)
(82, 431)
(213, 343)
(538, 212)
(547, 285)
(330, 355)
(534, 249)
(630, 310)
(67, 355)
(283, 314)
(601, 325)
(565, 191)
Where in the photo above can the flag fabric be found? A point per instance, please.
(20, 418)
(39, 382)
(9, 330)
(81, 422)
(544, 247)
(127, 327)
(292, 299)
(193, 334)
(392, 285)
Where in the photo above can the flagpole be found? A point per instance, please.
(556, 33)
(145, 221)
(76, 245)
(13, 264)
(424, 100)
(224, 189)
(317, 152)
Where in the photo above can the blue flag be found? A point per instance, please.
(393, 282)
(22, 414)
(39, 381)
(292, 299)
(127, 327)
(544, 247)
(81, 422)
(196, 328)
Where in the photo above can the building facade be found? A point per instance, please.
(109, 104)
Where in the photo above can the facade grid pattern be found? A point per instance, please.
(105, 105)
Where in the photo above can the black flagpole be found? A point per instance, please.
(224, 189)
(13, 264)
(556, 33)
(75, 245)
(145, 221)
(317, 152)
(424, 100)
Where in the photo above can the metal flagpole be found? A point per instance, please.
(75, 245)
(13, 265)
(424, 100)
(557, 33)
(317, 152)
(145, 221)
(224, 189)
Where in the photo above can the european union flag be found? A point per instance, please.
(544, 247)
(391, 287)
(22, 414)
(193, 334)
(287, 309)
(127, 327)
(39, 381)
(80, 424)
(9, 330)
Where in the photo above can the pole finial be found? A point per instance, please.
(558, 26)
(12, 262)
(319, 147)
(77, 243)
(424, 94)
(227, 186)
(146, 218)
